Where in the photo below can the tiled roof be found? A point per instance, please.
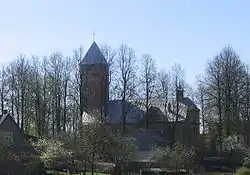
(94, 56)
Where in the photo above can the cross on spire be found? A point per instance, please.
(93, 36)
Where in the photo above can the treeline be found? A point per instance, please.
(42, 93)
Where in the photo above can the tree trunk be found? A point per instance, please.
(65, 106)
(124, 112)
(147, 103)
(22, 107)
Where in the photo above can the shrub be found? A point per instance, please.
(176, 157)
(243, 171)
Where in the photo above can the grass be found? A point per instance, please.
(65, 173)
(218, 173)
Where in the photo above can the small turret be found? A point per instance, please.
(179, 93)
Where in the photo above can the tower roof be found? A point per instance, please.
(94, 56)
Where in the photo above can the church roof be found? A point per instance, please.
(189, 103)
(94, 56)
(134, 113)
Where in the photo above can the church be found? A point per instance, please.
(94, 101)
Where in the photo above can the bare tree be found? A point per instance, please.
(11, 79)
(125, 78)
(148, 80)
(200, 96)
(36, 90)
(74, 91)
(66, 78)
(163, 89)
(109, 54)
(22, 69)
(56, 66)
(177, 85)
(214, 92)
(3, 89)
(190, 91)
(224, 89)
(246, 104)
(177, 78)
(46, 106)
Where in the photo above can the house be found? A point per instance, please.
(16, 143)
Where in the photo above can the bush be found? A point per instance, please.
(243, 171)
(176, 157)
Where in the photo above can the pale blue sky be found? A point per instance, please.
(188, 32)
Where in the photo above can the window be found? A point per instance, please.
(162, 132)
(8, 136)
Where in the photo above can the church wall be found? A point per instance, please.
(95, 87)
(186, 132)
(193, 117)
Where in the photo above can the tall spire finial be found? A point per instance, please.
(93, 36)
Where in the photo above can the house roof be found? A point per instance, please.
(94, 56)
(3, 117)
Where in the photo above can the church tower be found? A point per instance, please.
(94, 76)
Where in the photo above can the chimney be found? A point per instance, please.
(5, 111)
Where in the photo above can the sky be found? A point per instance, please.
(188, 32)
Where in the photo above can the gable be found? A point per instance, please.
(20, 144)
